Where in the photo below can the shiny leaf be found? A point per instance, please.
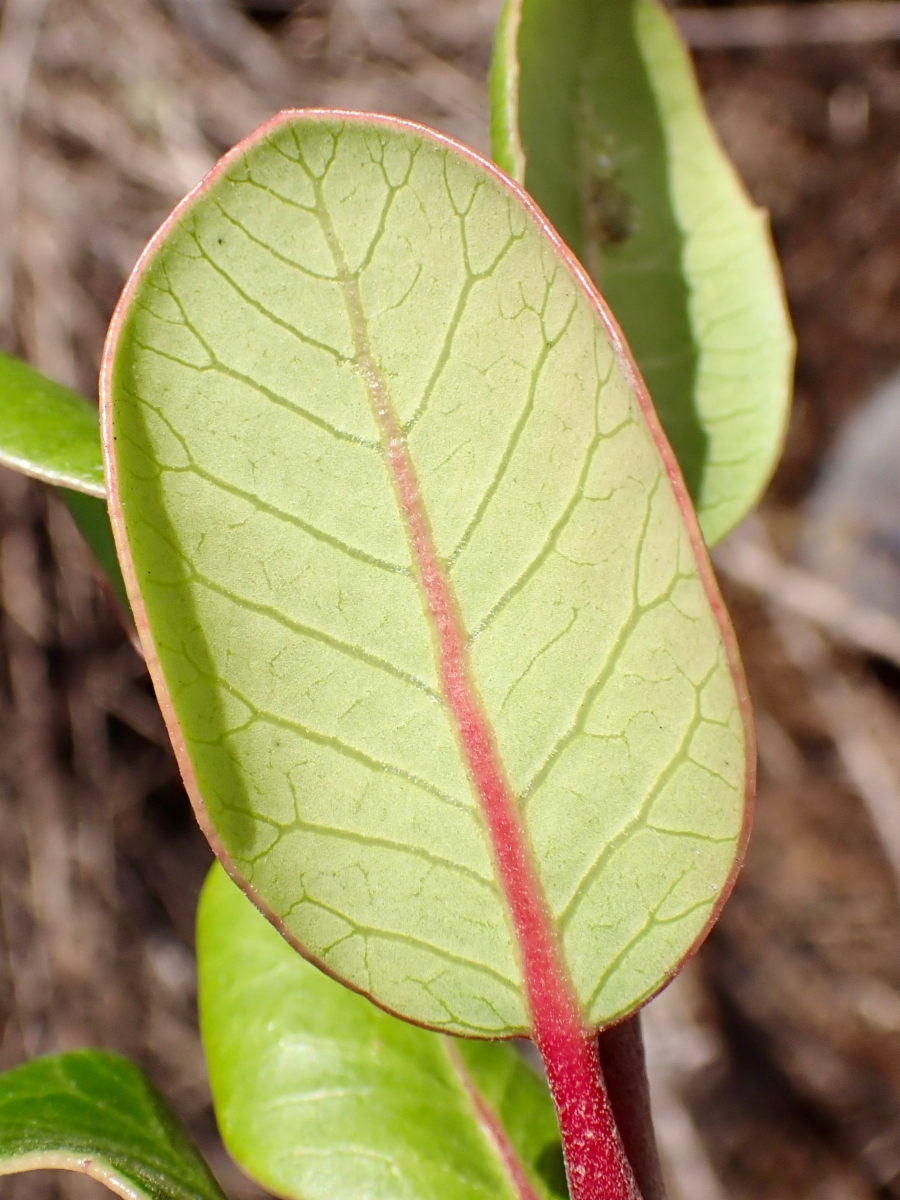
(52, 434)
(426, 608)
(320, 1094)
(596, 109)
(95, 1113)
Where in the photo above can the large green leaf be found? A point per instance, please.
(596, 109)
(424, 602)
(94, 1112)
(48, 431)
(319, 1094)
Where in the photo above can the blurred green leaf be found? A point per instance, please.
(96, 1113)
(48, 431)
(320, 1095)
(595, 109)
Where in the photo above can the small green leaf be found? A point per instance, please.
(596, 109)
(319, 1094)
(48, 431)
(424, 601)
(96, 1113)
(52, 434)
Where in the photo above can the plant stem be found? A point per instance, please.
(596, 1164)
(625, 1074)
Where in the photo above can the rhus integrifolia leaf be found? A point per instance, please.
(423, 597)
(595, 109)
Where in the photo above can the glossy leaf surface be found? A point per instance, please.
(48, 431)
(95, 1113)
(319, 1094)
(596, 109)
(409, 569)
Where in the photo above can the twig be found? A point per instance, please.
(748, 559)
(791, 25)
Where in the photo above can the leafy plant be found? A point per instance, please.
(428, 611)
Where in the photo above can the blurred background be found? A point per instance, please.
(775, 1057)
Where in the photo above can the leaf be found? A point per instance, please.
(47, 431)
(429, 618)
(595, 107)
(52, 434)
(95, 1113)
(319, 1094)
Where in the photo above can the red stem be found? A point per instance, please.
(625, 1073)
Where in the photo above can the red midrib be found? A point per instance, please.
(595, 1160)
(490, 1123)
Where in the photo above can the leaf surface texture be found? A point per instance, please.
(332, 266)
(95, 1113)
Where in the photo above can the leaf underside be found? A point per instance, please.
(281, 608)
(596, 109)
(319, 1095)
(95, 1113)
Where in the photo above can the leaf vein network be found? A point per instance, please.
(556, 530)
(264, 506)
(319, 635)
(366, 932)
(518, 429)
(633, 825)
(374, 840)
(340, 747)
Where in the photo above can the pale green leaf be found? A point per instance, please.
(596, 109)
(95, 1113)
(330, 259)
(48, 431)
(318, 1094)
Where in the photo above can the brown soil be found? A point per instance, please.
(128, 102)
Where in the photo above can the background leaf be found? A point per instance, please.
(52, 434)
(96, 1113)
(290, 637)
(48, 431)
(596, 109)
(320, 1094)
